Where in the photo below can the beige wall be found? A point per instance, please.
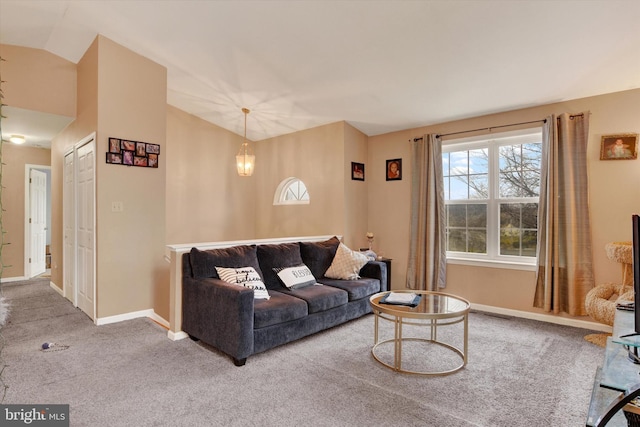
(15, 159)
(132, 274)
(35, 79)
(614, 196)
(206, 199)
(316, 157)
(355, 194)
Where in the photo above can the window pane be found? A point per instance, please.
(479, 186)
(477, 241)
(532, 156)
(457, 240)
(510, 241)
(447, 191)
(531, 188)
(509, 215)
(530, 215)
(445, 164)
(477, 216)
(479, 161)
(459, 188)
(529, 243)
(518, 224)
(457, 215)
(510, 185)
(459, 163)
(510, 158)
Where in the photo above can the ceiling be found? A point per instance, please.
(382, 66)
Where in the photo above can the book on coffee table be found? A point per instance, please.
(401, 298)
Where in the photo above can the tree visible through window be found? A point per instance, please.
(492, 189)
(291, 191)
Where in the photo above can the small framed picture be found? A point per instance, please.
(114, 158)
(139, 161)
(153, 148)
(622, 146)
(357, 171)
(127, 158)
(394, 170)
(153, 160)
(114, 145)
(128, 145)
(141, 149)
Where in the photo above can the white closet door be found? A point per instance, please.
(69, 225)
(85, 228)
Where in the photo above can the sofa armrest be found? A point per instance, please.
(376, 270)
(220, 314)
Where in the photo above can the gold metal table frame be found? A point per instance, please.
(435, 309)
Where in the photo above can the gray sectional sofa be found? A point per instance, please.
(229, 318)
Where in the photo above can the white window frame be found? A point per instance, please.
(279, 198)
(493, 258)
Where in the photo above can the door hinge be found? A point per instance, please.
(29, 180)
(29, 220)
(29, 260)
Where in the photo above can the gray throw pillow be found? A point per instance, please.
(204, 263)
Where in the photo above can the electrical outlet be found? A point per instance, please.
(117, 207)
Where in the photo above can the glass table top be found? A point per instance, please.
(624, 325)
(431, 303)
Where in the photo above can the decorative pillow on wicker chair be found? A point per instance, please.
(346, 264)
(295, 277)
(244, 276)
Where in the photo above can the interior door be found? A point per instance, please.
(85, 228)
(37, 222)
(69, 220)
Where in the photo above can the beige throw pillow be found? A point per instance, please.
(346, 264)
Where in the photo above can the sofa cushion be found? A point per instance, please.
(280, 308)
(346, 264)
(244, 276)
(356, 289)
(204, 263)
(295, 277)
(318, 255)
(320, 298)
(277, 256)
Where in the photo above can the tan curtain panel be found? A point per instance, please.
(427, 264)
(565, 266)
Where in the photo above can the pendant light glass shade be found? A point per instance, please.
(245, 160)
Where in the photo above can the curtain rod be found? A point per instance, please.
(496, 127)
(488, 128)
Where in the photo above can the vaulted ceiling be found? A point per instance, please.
(381, 66)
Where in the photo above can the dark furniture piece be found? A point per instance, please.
(227, 317)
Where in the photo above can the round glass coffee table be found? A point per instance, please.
(434, 309)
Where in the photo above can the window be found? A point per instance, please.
(491, 192)
(291, 191)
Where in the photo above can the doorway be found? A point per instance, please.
(37, 219)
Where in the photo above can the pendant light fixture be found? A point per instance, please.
(245, 160)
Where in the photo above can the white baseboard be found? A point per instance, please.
(13, 279)
(55, 288)
(177, 336)
(150, 313)
(576, 323)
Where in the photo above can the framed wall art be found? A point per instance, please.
(133, 153)
(357, 171)
(394, 170)
(623, 146)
